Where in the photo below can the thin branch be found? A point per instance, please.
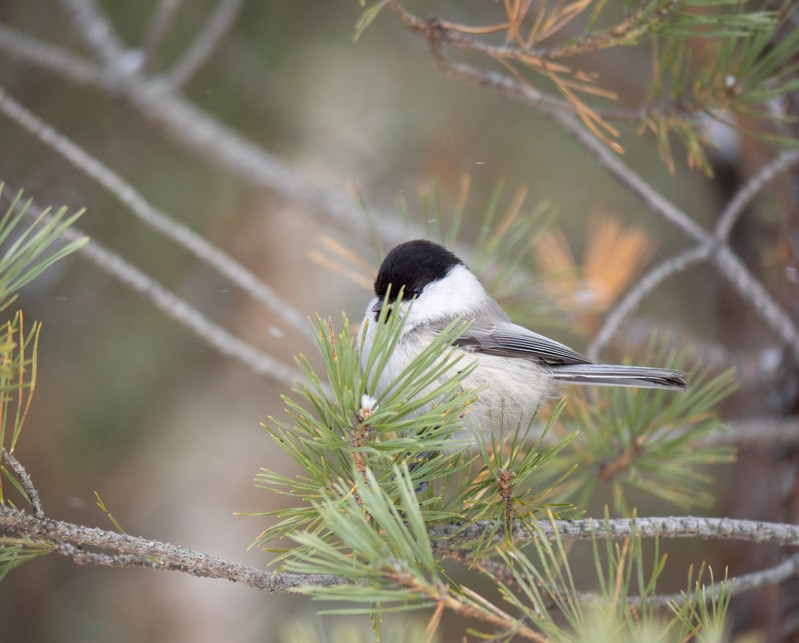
(61, 62)
(712, 244)
(217, 143)
(206, 42)
(176, 308)
(760, 432)
(740, 584)
(457, 535)
(132, 551)
(161, 22)
(24, 480)
(747, 192)
(94, 26)
(644, 286)
(123, 550)
(476, 608)
(221, 146)
(179, 233)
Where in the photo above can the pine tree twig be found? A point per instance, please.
(779, 573)
(161, 22)
(202, 134)
(611, 36)
(176, 308)
(457, 535)
(24, 479)
(747, 192)
(478, 609)
(759, 432)
(727, 263)
(644, 286)
(156, 219)
(122, 550)
(206, 42)
(712, 244)
(61, 62)
(94, 26)
(132, 551)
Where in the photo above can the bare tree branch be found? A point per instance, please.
(176, 308)
(24, 480)
(757, 432)
(94, 26)
(207, 40)
(747, 192)
(217, 143)
(456, 535)
(645, 285)
(122, 550)
(179, 233)
(740, 584)
(131, 551)
(61, 62)
(173, 306)
(161, 22)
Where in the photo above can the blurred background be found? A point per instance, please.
(133, 406)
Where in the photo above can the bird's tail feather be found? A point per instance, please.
(621, 375)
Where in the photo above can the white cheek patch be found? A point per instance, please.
(459, 293)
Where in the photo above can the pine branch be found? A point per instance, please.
(176, 308)
(161, 22)
(24, 479)
(758, 432)
(220, 20)
(151, 216)
(454, 536)
(92, 23)
(60, 62)
(202, 134)
(122, 550)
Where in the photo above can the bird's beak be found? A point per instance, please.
(378, 307)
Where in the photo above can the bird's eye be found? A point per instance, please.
(413, 292)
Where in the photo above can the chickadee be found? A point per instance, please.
(517, 367)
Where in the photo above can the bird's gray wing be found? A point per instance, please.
(512, 340)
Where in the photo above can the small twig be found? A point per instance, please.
(760, 432)
(173, 306)
(61, 62)
(131, 551)
(488, 614)
(161, 22)
(94, 26)
(24, 480)
(751, 189)
(158, 220)
(740, 584)
(122, 550)
(609, 469)
(207, 40)
(176, 308)
(712, 247)
(644, 286)
(217, 143)
(456, 535)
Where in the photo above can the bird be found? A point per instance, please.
(516, 368)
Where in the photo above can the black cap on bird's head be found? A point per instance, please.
(412, 265)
